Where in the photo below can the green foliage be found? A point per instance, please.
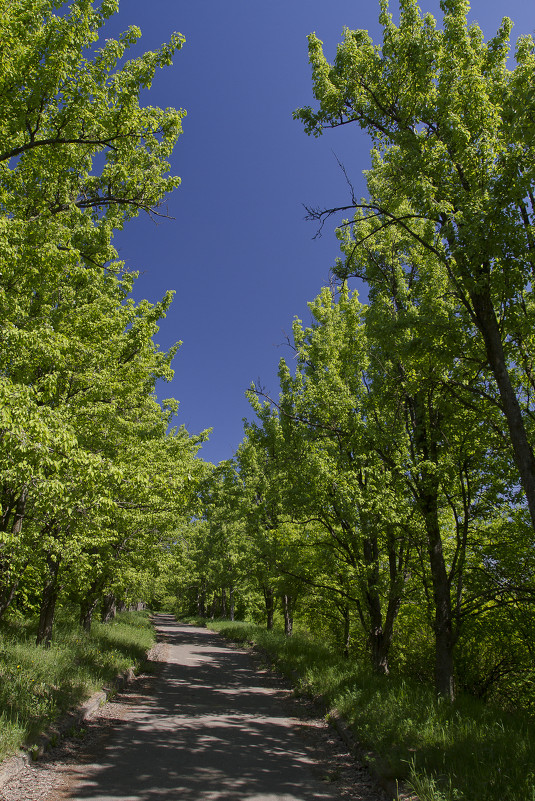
(93, 472)
(38, 685)
(466, 750)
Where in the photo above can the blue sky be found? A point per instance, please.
(238, 253)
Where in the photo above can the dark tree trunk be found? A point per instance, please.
(8, 583)
(87, 608)
(8, 593)
(346, 636)
(426, 494)
(287, 609)
(379, 643)
(223, 602)
(90, 601)
(231, 602)
(269, 598)
(523, 453)
(108, 608)
(201, 600)
(444, 639)
(48, 603)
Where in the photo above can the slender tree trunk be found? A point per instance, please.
(379, 644)
(201, 600)
(9, 593)
(8, 583)
(287, 608)
(223, 602)
(425, 428)
(7, 597)
(523, 453)
(231, 601)
(269, 598)
(347, 624)
(48, 603)
(89, 603)
(444, 640)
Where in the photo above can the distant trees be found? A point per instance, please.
(91, 476)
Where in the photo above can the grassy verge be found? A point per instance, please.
(446, 752)
(37, 685)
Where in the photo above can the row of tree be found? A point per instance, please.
(92, 477)
(391, 485)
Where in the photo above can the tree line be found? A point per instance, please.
(93, 475)
(386, 495)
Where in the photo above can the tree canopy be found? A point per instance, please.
(91, 468)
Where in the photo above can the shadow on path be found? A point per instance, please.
(214, 730)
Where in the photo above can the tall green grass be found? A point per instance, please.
(38, 684)
(467, 751)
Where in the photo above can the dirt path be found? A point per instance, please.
(213, 725)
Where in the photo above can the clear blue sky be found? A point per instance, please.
(239, 254)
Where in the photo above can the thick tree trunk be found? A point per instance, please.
(108, 608)
(269, 598)
(523, 453)
(87, 608)
(48, 603)
(287, 609)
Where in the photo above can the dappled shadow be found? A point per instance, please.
(215, 729)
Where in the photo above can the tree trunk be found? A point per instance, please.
(87, 607)
(287, 608)
(379, 644)
(523, 453)
(108, 608)
(269, 597)
(346, 636)
(231, 602)
(48, 603)
(201, 600)
(8, 583)
(444, 640)
(223, 602)
(426, 495)
(7, 597)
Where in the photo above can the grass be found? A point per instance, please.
(37, 685)
(467, 751)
